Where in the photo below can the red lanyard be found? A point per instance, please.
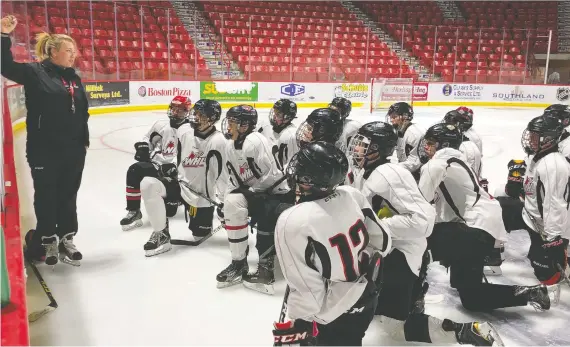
(71, 88)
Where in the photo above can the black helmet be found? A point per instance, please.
(319, 165)
(400, 109)
(209, 109)
(286, 108)
(323, 124)
(562, 112)
(373, 137)
(243, 115)
(541, 134)
(444, 135)
(461, 119)
(342, 105)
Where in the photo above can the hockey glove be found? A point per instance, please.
(220, 213)
(517, 170)
(143, 152)
(168, 170)
(295, 333)
(484, 183)
(545, 258)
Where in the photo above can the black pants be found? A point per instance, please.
(463, 249)
(56, 183)
(135, 175)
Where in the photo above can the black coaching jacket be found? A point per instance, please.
(53, 129)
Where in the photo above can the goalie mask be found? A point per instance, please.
(439, 136)
(178, 110)
(317, 169)
(204, 114)
(374, 142)
(542, 134)
(323, 124)
(240, 121)
(282, 113)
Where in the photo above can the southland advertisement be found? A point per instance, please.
(158, 92)
(520, 93)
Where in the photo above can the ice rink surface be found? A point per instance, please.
(120, 297)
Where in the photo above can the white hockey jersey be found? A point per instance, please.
(202, 165)
(284, 143)
(253, 165)
(547, 195)
(473, 136)
(450, 183)
(393, 187)
(349, 129)
(319, 254)
(473, 156)
(564, 145)
(163, 142)
(406, 147)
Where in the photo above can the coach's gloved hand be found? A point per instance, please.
(546, 257)
(143, 152)
(295, 333)
(168, 170)
(220, 214)
(514, 187)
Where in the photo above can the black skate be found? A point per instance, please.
(475, 333)
(50, 244)
(68, 252)
(419, 306)
(493, 262)
(159, 242)
(233, 274)
(263, 279)
(539, 296)
(132, 220)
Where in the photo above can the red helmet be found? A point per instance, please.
(466, 111)
(178, 110)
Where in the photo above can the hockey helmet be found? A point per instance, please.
(178, 110)
(374, 140)
(238, 117)
(282, 113)
(542, 133)
(323, 124)
(342, 105)
(439, 136)
(460, 118)
(400, 114)
(204, 114)
(317, 169)
(560, 111)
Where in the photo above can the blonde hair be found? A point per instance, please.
(46, 42)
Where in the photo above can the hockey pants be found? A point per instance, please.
(135, 175)
(161, 197)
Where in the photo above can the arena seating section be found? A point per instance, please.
(305, 41)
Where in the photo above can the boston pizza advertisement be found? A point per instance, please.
(162, 92)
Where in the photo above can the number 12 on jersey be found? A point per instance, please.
(346, 248)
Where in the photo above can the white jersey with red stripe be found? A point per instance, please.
(163, 142)
(319, 255)
(284, 143)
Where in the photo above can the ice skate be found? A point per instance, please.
(132, 220)
(540, 296)
(158, 243)
(68, 252)
(493, 262)
(419, 306)
(233, 274)
(476, 334)
(50, 244)
(263, 279)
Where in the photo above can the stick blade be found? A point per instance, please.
(34, 316)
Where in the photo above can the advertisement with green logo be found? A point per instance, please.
(229, 91)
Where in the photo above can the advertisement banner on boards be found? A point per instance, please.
(525, 93)
(295, 91)
(353, 91)
(456, 91)
(229, 91)
(107, 93)
(162, 92)
(420, 92)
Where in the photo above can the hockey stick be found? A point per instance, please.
(195, 243)
(213, 202)
(34, 316)
(283, 311)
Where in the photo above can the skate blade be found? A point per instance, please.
(492, 271)
(434, 299)
(222, 285)
(488, 330)
(68, 261)
(132, 226)
(260, 287)
(554, 294)
(162, 249)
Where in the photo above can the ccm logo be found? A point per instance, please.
(290, 338)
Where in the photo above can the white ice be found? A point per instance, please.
(119, 297)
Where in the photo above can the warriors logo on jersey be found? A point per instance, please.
(196, 158)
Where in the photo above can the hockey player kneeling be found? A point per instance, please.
(201, 150)
(392, 191)
(159, 146)
(333, 289)
(256, 188)
(467, 225)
